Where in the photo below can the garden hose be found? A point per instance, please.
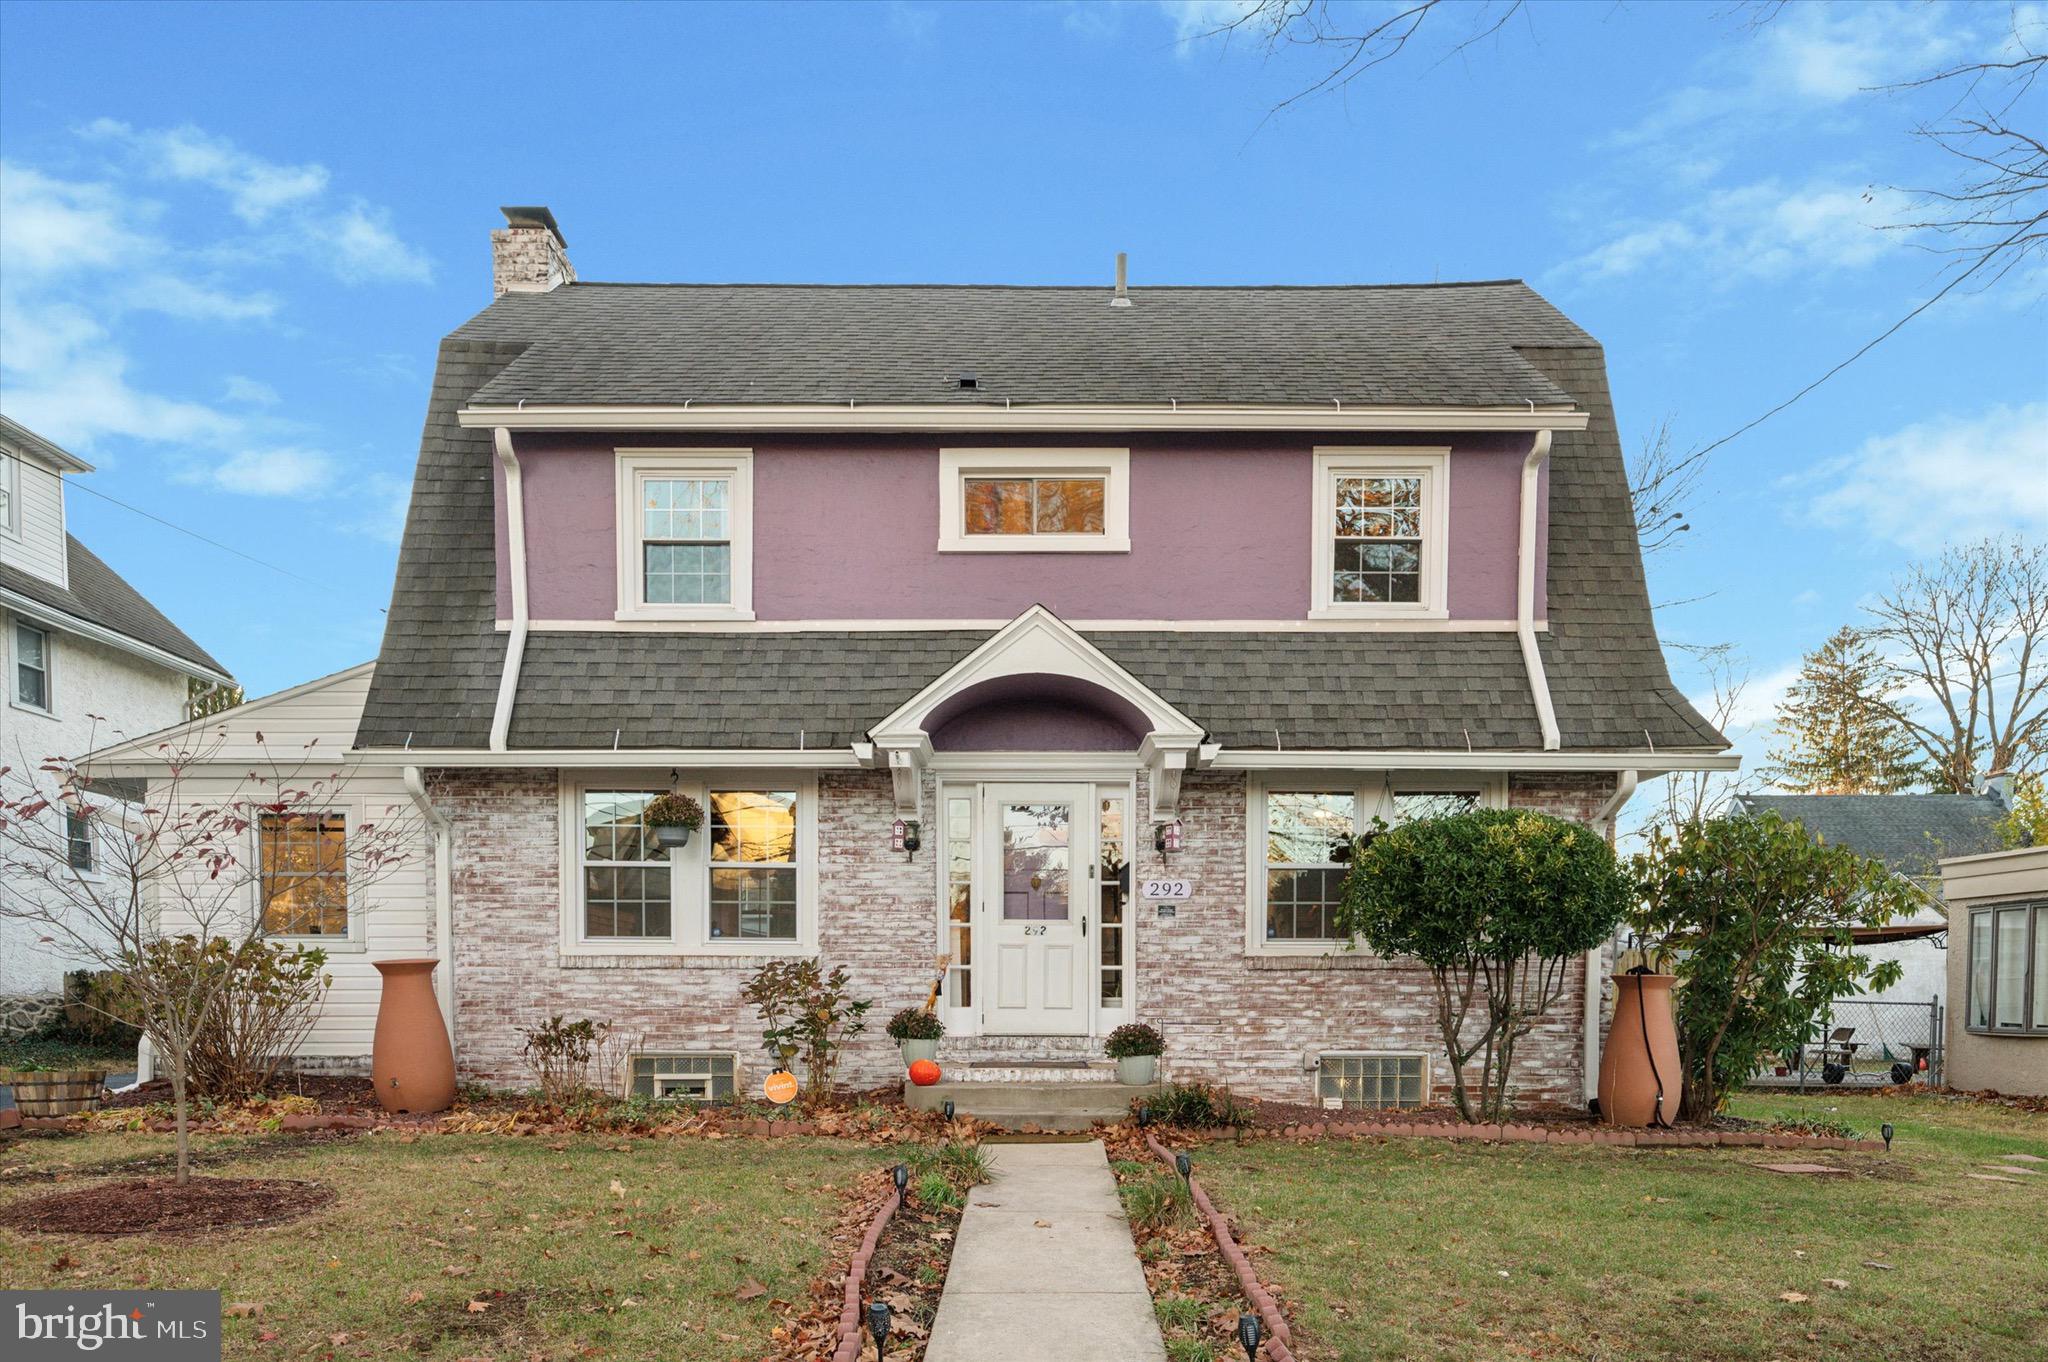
(1649, 1052)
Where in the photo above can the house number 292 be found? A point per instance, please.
(1034, 931)
(1167, 891)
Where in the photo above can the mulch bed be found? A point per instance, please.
(163, 1206)
(908, 1272)
(1182, 1262)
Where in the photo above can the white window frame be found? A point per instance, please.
(352, 940)
(1113, 466)
(48, 709)
(89, 834)
(689, 917)
(10, 494)
(1373, 793)
(1433, 466)
(635, 466)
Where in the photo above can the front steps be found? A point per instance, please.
(1047, 1104)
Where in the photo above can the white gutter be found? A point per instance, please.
(1525, 592)
(16, 603)
(444, 896)
(1277, 759)
(515, 646)
(637, 758)
(1624, 786)
(1092, 416)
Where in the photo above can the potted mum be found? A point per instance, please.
(673, 817)
(1136, 1048)
(917, 1032)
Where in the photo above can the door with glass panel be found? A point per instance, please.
(1036, 898)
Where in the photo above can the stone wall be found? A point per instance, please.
(27, 1014)
(1253, 1022)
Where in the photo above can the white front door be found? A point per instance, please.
(1035, 882)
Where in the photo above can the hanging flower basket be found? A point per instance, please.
(673, 817)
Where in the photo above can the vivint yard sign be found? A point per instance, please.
(146, 1326)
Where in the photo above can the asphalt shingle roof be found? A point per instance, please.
(436, 679)
(1908, 832)
(99, 595)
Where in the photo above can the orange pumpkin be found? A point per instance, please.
(924, 1073)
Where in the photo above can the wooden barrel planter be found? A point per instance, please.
(55, 1092)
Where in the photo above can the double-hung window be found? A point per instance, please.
(2009, 969)
(304, 873)
(1034, 500)
(1301, 834)
(30, 685)
(740, 884)
(685, 534)
(1381, 533)
(9, 497)
(79, 852)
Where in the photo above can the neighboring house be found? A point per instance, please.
(1909, 834)
(86, 659)
(1998, 969)
(1065, 634)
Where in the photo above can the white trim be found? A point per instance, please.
(26, 442)
(353, 811)
(142, 753)
(47, 709)
(736, 466)
(1433, 467)
(1373, 796)
(515, 649)
(630, 758)
(689, 868)
(16, 603)
(1652, 763)
(1113, 466)
(1050, 416)
(10, 485)
(1302, 626)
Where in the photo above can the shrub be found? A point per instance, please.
(1498, 905)
(95, 1012)
(559, 1053)
(674, 811)
(1196, 1106)
(914, 1023)
(265, 998)
(1133, 1039)
(1155, 1201)
(1755, 919)
(809, 1013)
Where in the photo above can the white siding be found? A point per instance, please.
(314, 725)
(37, 547)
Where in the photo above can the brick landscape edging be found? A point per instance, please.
(1278, 1335)
(856, 1275)
(1516, 1132)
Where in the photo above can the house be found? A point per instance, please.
(1048, 643)
(1998, 968)
(87, 659)
(1910, 834)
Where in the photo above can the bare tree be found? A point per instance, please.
(183, 870)
(1661, 483)
(1960, 636)
(1692, 797)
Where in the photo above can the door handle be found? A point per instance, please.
(1084, 924)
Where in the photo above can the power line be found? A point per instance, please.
(224, 548)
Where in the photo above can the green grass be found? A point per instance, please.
(1422, 1249)
(634, 1252)
(36, 1052)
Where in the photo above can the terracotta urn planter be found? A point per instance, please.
(1640, 1080)
(411, 1061)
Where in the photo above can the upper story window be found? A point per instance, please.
(686, 534)
(1381, 526)
(10, 499)
(1034, 501)
(30, 684)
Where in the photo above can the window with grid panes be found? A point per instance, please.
(959, 833)
(753, 865)
(1373, 1081)
(1114, 892)
(1308, 833)
(626, 889)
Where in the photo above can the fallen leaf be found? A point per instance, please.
(1793, 1297)
(749, 1290)
(453, 1271)
(414, 1297)
(1881, 1267)
(63, 1261)
(478, 1307)
(267, 1336)
(243, 1310)
(1837, 1283)
(339, 1340)
(1043, 1224)
(618, 1188)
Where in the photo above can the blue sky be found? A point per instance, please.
(231, 237)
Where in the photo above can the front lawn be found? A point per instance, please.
(476, 1246)
(1424, 1249)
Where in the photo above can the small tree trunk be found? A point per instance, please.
(183, 1111)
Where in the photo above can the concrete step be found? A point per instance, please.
(1049, 1106)
(1030, 1071)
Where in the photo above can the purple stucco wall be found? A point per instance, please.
(847, 527)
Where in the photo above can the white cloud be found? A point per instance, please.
(1766, 230)
(364, 248)
(267, 473)
(914, 23)
(51, 227)
(255, 187)
(1195, 19)
(250, 392)
(1834, 52)
(1944, 481)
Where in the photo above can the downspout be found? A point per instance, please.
(444, 898)
(515, 646)
(1525, 592)
(1624, 787)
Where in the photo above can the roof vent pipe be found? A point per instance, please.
(1123, 281)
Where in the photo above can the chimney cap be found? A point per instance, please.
(536, 215)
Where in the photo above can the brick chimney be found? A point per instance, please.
(528, 254)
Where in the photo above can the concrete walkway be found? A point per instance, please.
(1044, 1269)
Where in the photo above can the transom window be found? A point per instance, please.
(2009, 968)
(1034, 500)
(304, 873)
(1302, 837)
(685, 534)
(1381, 530)
(31, 666)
